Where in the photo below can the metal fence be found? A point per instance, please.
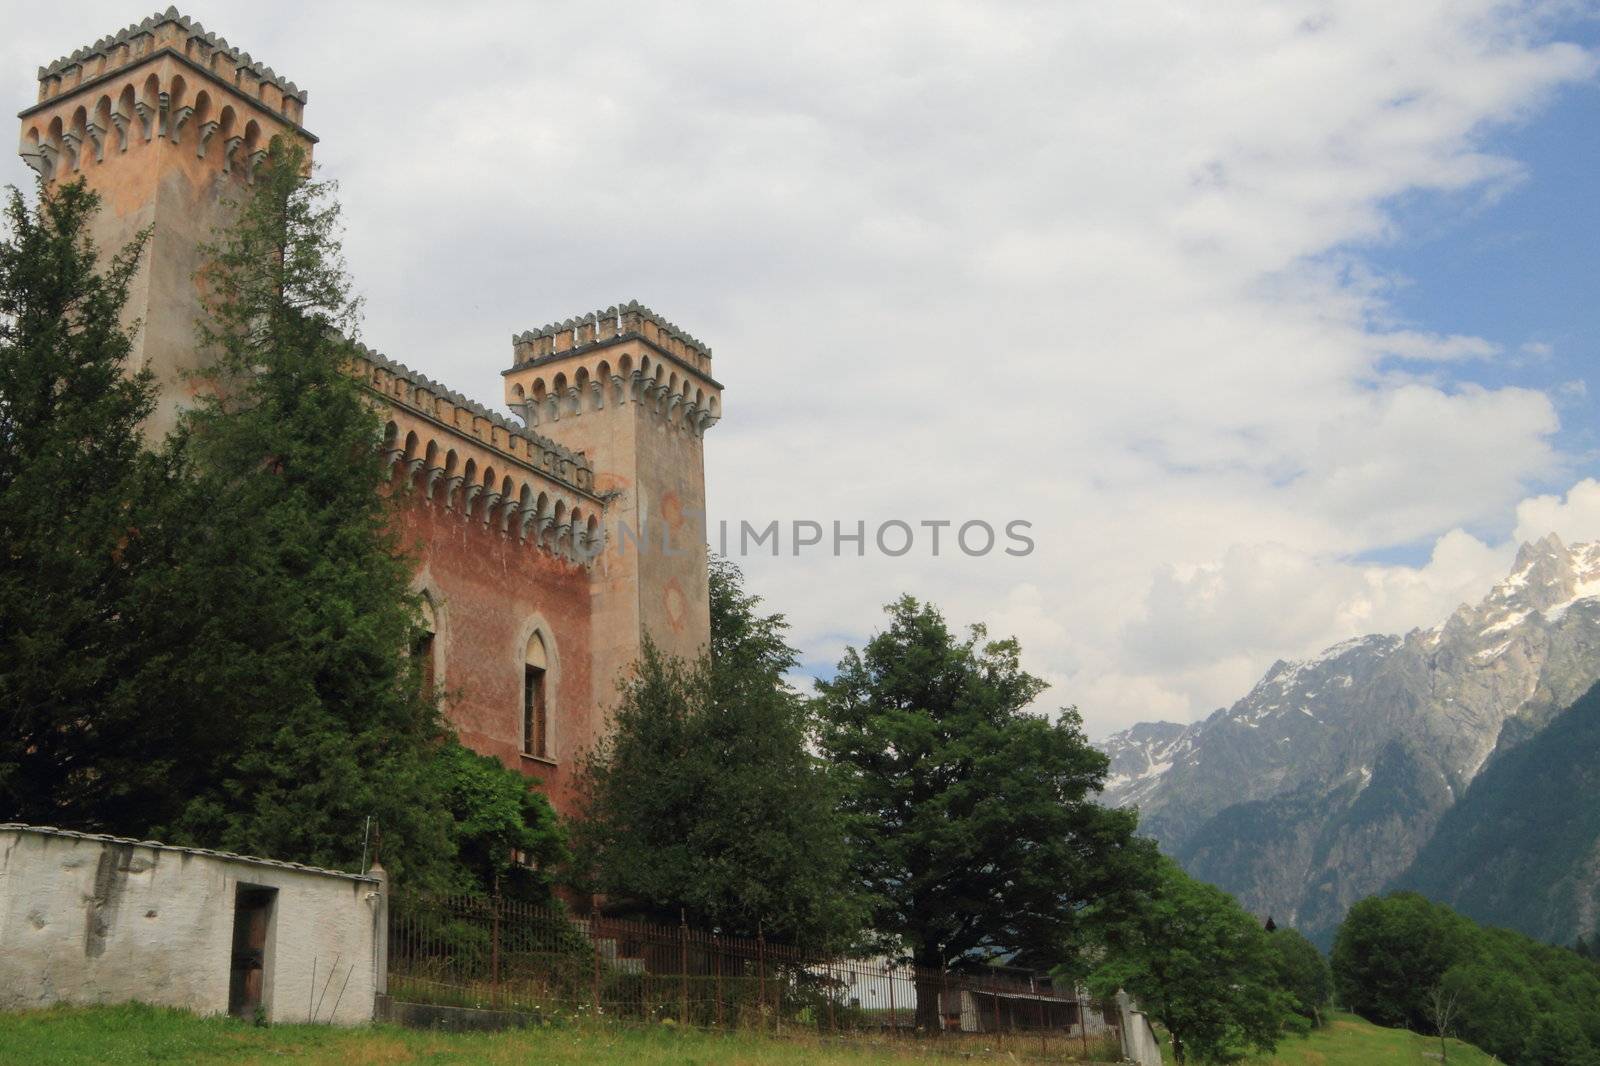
(500, 954)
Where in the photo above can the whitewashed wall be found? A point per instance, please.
(94, 919)
(1139, 1042)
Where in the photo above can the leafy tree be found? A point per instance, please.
(1390, 953)
(75, 490)
(1199, 964)
(497, 813)
(1496, 1002)
(1558, 1039)
(1302, 972)
(705, 799)
(972, 822)
(1525, 1002)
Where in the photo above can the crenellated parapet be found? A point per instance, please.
(466, 459)
(602, 328)
(609, 359)
(164, 81)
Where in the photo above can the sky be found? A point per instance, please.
(1275, 321)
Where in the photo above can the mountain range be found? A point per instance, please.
(1327, 780)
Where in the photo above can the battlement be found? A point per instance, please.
(404, 387)
(630, 321)
(168, 32)
(164, 80)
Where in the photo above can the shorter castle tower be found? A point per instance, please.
(165, 121)
(635, 394)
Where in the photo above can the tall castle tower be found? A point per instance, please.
(635, 394)
(166, 122)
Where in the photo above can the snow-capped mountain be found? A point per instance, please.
(1320, 785)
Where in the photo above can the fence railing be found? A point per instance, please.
(502, 954)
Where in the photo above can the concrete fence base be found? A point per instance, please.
(393, 1011)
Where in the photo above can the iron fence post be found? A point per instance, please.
(761, 971)
(683, 967)
(827, 990)
(716, 961)
(494, 948)
(944, 992)
(894, 1018)
(1083, 1018)
(594, 984)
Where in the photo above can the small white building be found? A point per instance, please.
(99, 919)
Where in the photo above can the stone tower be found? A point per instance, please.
(635, 394)
(168, 123)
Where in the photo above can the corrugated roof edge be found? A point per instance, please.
(50, 830)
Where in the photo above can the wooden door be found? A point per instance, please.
(252, 917)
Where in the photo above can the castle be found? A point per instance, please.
(530, 624)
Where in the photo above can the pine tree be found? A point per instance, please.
(75, 488)
(285, 611)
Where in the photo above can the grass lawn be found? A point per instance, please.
(1348, 1041)
(136, 1034)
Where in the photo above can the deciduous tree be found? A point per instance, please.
(1302, 971)
(1199, 964)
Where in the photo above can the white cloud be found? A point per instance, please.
(1573, 517)
(1097, 266)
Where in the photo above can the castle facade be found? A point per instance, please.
(535, 606)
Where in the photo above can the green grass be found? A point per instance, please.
(1349, 1041)
(135, 1034)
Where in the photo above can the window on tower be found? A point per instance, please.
(422, 647)
(535, 716)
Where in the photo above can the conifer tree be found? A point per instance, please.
(75, 483)
(287, 611)
(706, 801)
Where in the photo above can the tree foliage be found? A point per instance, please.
(207, 644)
(1527, 1003)
(1199, 964)
(1302, 971)
(286, 608)
(75, 489)
(496, 813)
(705, 799)
(972, 822)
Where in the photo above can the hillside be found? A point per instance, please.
(1349, 1041)
(1321, 784)
(1522, 847)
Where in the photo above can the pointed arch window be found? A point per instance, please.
(422, 647)
(535, 712)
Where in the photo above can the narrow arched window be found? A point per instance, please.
(423, 647)
(535, 716)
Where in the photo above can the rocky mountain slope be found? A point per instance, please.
(1522, 847)
(1321, 785)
